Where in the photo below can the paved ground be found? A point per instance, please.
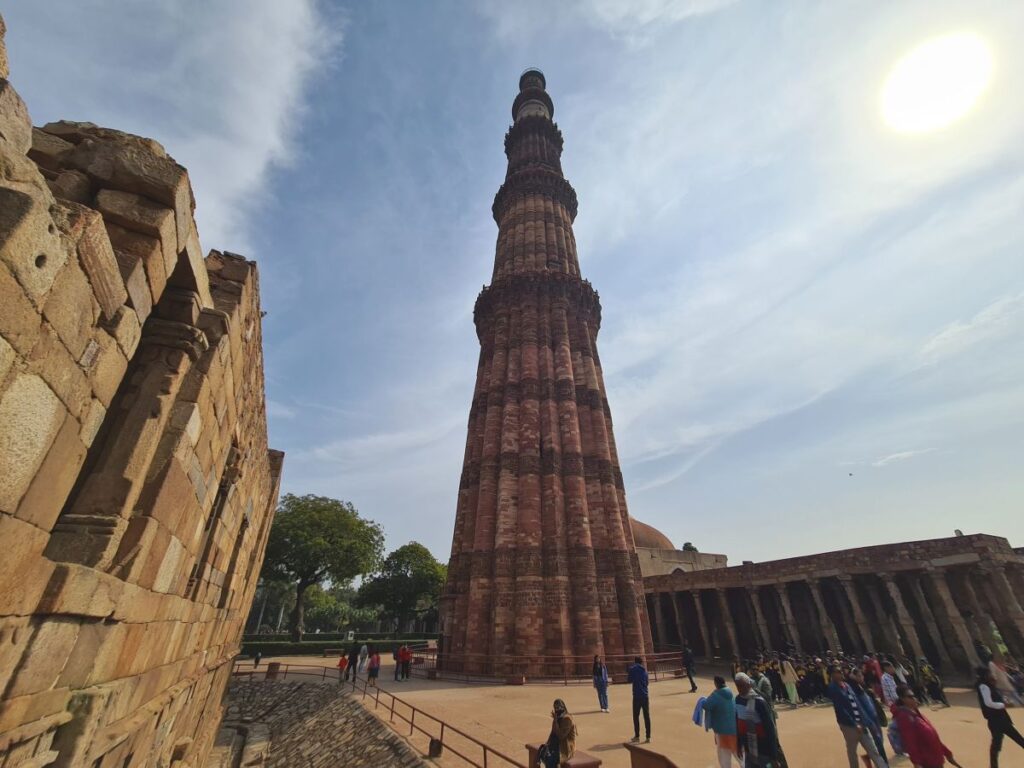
(506, 717)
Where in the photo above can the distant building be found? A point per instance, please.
(658, 556)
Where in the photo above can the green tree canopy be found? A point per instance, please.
(315, 539)
(409, 581)
(688, 547)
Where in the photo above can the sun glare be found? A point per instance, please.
(937, 83)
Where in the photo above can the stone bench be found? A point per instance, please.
(579, 760)
(333, 652)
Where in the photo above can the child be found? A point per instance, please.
(342, 669)
(374, 668)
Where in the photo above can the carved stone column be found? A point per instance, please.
(709, 650)
(886, 625)
(1005, 595)
(89, 530)
(954, 616)
(762, 623)
(659, 620)
(859, 618)
(929, 619)
(678, 616)
(828, 629)
(983, 618)
(788, 621)
(730, 628)
(903, 615)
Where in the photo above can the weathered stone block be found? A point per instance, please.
(30, 243)
(25, 709)
(47, 149)
(42, 663)
(73, 186)
(71, 308)
(134, 274)
(30, 415)
(150, 250)
(15, 124)
(14, 636)
(139, 214)
(19, 320)
(79, 590)
(108, 370)
(51, 360)
(92, 420)
(7, 355)
(51, 485)
(126, 330)
(97, 258)
(194, 277)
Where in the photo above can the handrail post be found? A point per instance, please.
(412, 721)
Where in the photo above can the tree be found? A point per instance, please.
(409, 582)
(315, 539)
(688, 547)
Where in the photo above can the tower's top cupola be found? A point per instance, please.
(532, 98)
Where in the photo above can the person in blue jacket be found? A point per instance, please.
(720, 716)
(600, 674)
(637, 675)
(853, 720)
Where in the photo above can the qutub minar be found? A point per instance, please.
(543, 558)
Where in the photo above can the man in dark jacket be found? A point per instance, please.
(638, 677)
(755, 726)
(852, 720)
(689, 666)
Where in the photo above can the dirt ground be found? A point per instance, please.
(507, 717)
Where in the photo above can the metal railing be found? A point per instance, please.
(418, 720)
(544, 669)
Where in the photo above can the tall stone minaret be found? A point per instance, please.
(543, 561)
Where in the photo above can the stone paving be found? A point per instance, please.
(300, 725)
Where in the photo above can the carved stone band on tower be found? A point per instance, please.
(543, 561)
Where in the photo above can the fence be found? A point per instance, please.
(546, 669)
(436, 730)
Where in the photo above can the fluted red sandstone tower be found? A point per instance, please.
(543, 561)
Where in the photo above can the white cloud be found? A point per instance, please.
(899, 456)
(223, 85)
(1001, 317)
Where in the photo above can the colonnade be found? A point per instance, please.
(941, 613)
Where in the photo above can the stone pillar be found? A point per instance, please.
(678, 616)
(860, 619)
(788, 621)
(828, 629)
(90, 529)
(903, 615)
(1005, 595)
(709, 650)
(730, 628)
(762, 623)
(954, 616)
(929, 619)
(661, 636)
(986, 625)
(886, 625)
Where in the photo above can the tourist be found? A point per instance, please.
(874, 716)
(757, 738)
(763, 686)
(889, 684)
(932, 682)
(342, 669)
(790, 679)
(637, 675)
(398, 664)
(689, 666)
(873, 673)
(600, 676)
(353, 661)
(993, 707)
(1005, 685)
(774, 673)
(374, 667)
(920, 740)
(720, 715)
(405, 659)
(851, 720)
(561, 743)
(364, 653)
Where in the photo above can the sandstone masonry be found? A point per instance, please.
(136, 485)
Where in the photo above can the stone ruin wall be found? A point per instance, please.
(136, 485)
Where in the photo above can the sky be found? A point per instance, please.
(813, 326)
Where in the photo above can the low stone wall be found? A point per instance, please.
(300, 725)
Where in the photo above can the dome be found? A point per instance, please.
(648, 537)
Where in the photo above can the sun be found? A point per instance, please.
(937, 83)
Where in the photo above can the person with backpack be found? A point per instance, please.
(920, 739)
(561, 743)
